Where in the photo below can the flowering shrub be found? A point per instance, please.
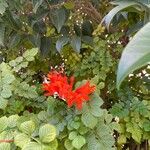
(58, 84)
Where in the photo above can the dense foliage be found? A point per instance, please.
(86, 39)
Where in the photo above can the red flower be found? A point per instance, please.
(58, 84)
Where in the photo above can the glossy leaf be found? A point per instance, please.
(58, 18)
(121, 6)
(76, 43)
(135, 55)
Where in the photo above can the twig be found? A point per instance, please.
(6, 141)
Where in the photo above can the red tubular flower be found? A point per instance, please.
(59, 84)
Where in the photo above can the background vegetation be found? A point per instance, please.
(88, 38)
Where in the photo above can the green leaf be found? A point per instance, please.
(37, 4)
(21, 140)
(47, 133)
(6, 92)
(3, 123)
(72, 135)
(62, 41)
(122, 5)
(52, 145)
(33, 146)
(89, 120)
(76, 43)
(5, 146)
(2, 33)
(12, 121)
(146, 125)
(69, 5)
(3, 103)
(58, 18)
(78, 142)
(121, 139)
(3, 6)
(29, 54)
(135, 130)
(68, 145)
(8, 78)
(45, 45)
(27, 127)
(135, 55)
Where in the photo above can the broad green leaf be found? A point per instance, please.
(3, 123)
(76, 43)
(27, 127)
(58, 18)
(78, 142)
(122, 5)
(62, 41)
(33, 146)
(47, 133)
(135, 55)
(3, 103)
(3, 6)
(45, 47)
(21, 140)
(5, 146)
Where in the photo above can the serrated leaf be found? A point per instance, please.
(135, 55)
(12, 121)
(3, 123)
(78, 142)
(8, 78)
(89, 120)
(72, 135)
(135, 130)
(68, 145)
(27, 127)
(5, 146)
(69, 5)
(29, 54)
(52, 145)
(3, 103)
(47, 133)
(33, 146)
(6, 92)
(21, 140)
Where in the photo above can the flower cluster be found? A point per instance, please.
(58, 84)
